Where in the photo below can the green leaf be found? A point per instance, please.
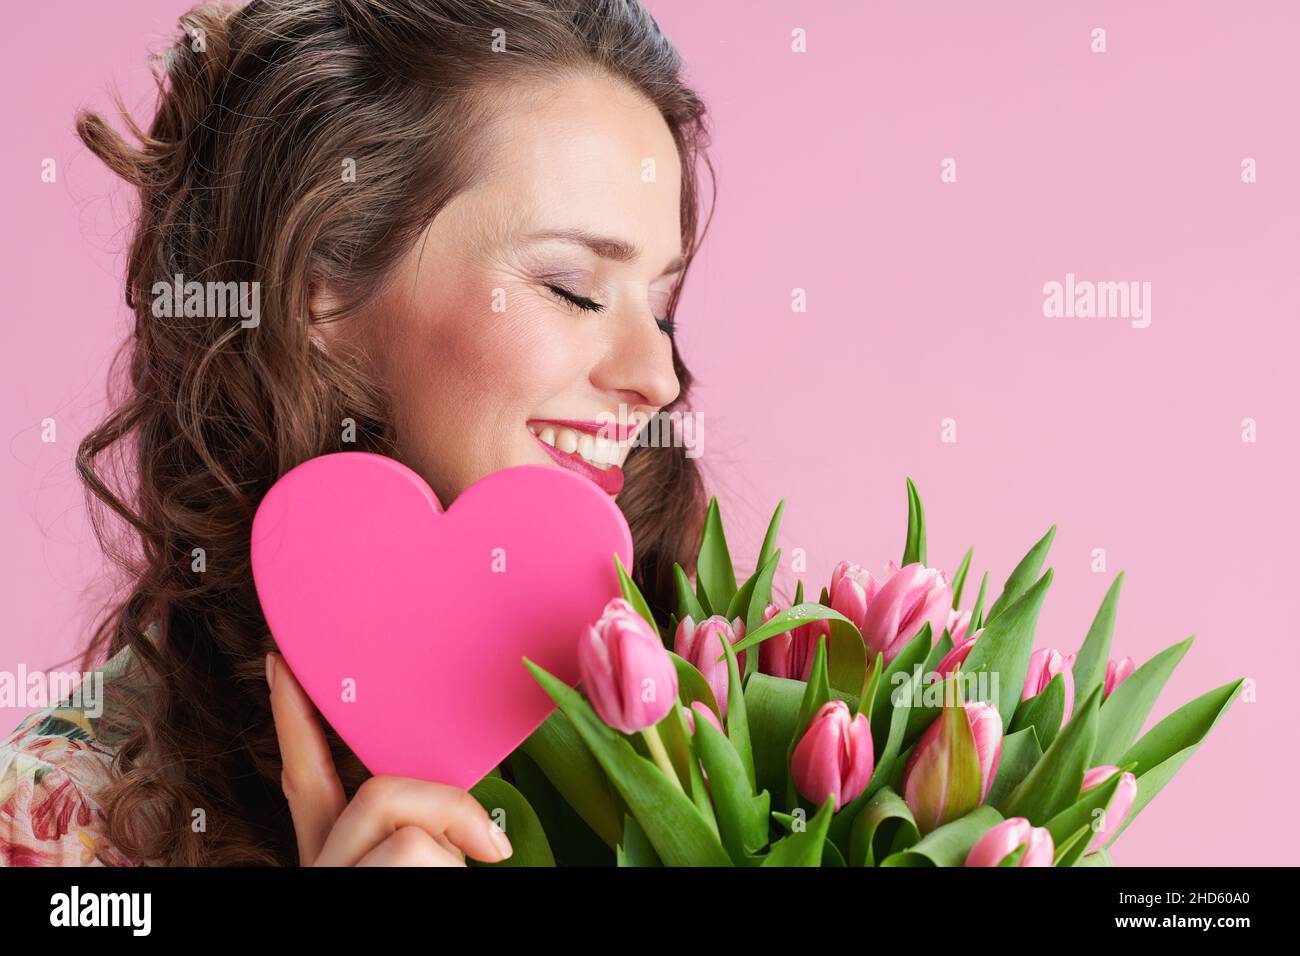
(573, 843)
(558, 749)
(783, 621)
(691, 684)
(883, 826)
(1023, 575)
(1056, 780)
(632, 594)
(913, 653)
(675, 827)
(742, 816)
(635, 850)
(512, 812)
(675, 734)
(773, 707)
(1020, 753)
(762, 592)
(977, 611)
(737, 718)
(1090, 664)
(951, 843)
(714, 576)
(1081, 813)
(805, 848)
(1163, 749)
(846, 663)
(1004, 650)
(1125, 711)
(914, 549)
(769, 540)
(1043, 711)
(688, 605)
(1066, 852)
(959, 579)
(1096, 858)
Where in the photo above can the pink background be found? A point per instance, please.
(924, 303)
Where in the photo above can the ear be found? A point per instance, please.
(322, 306)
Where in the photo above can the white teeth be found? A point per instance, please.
(599, 452)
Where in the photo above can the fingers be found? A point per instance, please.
(411, 846)
(384, 805)
(310, 782)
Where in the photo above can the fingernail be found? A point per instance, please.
(270, 670)
(500, 840)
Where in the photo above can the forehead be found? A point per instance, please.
(589, 153)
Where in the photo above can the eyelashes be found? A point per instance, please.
(667, 326)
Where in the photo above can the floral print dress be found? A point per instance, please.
(51, 766)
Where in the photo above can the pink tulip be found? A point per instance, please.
(1120, 803)
(790, 654)
(627, 674)
(852, 589)
(958, 622)
(1117, 671)
(928, 771)
(914, 596)
(701, 644)
(834, 756)
(707, 711)
(955, 657)
(1044, 664)
(1008, 836)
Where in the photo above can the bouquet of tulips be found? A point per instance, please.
(879, 726)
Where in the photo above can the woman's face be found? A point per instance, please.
(489, 361)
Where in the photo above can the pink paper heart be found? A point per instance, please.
(407, 625)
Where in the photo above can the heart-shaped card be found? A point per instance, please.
(407, 625)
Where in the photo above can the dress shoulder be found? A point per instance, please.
(51, 767)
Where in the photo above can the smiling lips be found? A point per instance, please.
(592, 449)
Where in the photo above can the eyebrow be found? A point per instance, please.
(607, 247)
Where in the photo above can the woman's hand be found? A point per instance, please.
(392, 821)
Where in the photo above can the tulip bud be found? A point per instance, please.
(1120, 803)
(914, 596)
(955, 657)
(701, 644)
(706, 711)
(852, 589)
(958, 622)
(1117, 671)
(790, 654)
(1008, 836)
(935, 786)
(1044, 664)
(627, 674)
(834, 756)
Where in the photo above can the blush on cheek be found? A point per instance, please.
(516, 358)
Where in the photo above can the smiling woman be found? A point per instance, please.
(468, 222)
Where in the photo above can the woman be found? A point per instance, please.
(466, 223)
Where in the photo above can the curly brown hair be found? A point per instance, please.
(238, 176)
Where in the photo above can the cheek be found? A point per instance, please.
(462, 362)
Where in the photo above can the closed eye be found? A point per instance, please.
(667, 326)
(582, 302)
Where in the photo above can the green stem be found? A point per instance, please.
(660, 754)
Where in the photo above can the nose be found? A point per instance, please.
(638, 367)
